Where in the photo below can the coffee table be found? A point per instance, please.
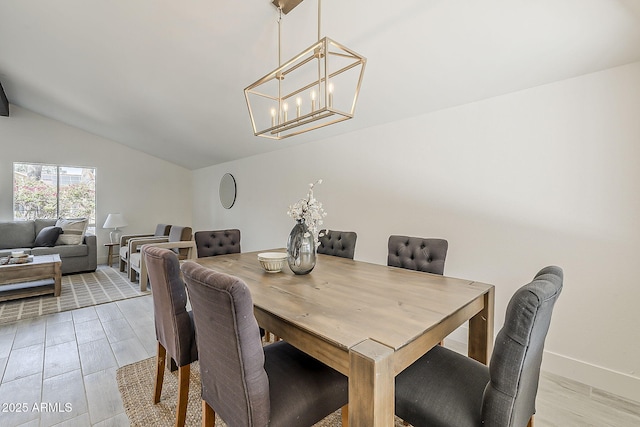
(42, 276)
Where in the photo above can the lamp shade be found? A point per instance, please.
(115, 220)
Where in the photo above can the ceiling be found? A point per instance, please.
(167, 77)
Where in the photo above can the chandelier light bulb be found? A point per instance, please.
(330, 95)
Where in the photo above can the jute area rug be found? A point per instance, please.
(136, 381)
(104, 285)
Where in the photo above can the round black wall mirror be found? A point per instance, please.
(227, 191)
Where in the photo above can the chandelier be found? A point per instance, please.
(316, 88)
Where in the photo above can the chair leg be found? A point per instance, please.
(132, 274)
(172, 366)
(345, 416)
(268, 337)
(162, 354)
(143, 275)
(530, 422)
(183, 394)
(208, 415)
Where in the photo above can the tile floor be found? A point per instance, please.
(59, 370)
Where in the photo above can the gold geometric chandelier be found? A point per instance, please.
(316, 88)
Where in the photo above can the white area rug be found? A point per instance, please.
(104, 285)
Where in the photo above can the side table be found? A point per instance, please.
(111, 254)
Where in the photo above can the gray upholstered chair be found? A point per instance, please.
(416, 253)
(217, 242)
(220, 242)
(244, 383)
(179, 240)
(161, 230)
(180, 234)
(446, 389)
(337, 243)
(174, 324)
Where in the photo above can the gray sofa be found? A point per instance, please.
(21, 236)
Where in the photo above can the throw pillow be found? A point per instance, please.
(47, 236)
(72, 231)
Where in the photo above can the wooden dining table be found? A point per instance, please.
(368, 321)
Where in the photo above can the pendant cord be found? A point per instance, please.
(319, 14)
(279, 64)
(319, 55)
(279, 36)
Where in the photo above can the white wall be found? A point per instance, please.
(145, 189)
(543, 176)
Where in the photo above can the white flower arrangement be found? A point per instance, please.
(311, 210)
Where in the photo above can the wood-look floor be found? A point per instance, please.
(71, 358)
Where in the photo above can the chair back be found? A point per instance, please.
(174, 326)
(234, 381)
(416, 253)
(338, 243)
(509, 397)
(217, 242)
(180, 234)
(162, 230)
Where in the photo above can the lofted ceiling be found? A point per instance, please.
(167, 77)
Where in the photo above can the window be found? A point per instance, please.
(53, 191)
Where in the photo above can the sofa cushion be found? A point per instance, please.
(134, 261)
(42, 223)
(65, 251)
(17, 234)
(72, 231)
(47, 236)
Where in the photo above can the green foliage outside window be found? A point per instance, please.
(34, 199)
(50, 191)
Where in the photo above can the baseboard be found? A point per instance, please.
(618, 383)
(103, 260)
(608, 380)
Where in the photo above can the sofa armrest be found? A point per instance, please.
(92, 245)
(90, 240)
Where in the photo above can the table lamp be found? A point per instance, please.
(115, 220)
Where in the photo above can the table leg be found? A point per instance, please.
(481, 330)
(57, 278)
(371, 385)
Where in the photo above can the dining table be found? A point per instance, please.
(368, 321)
